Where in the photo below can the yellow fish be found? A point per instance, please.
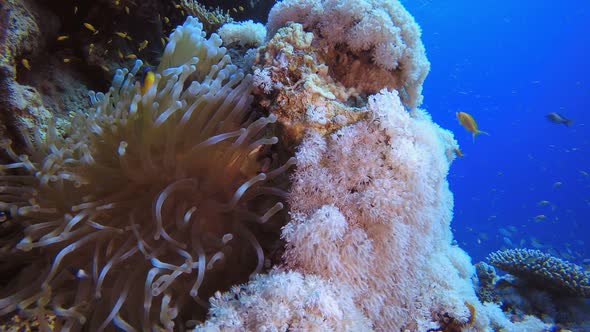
(148, 81)
(121, 34)
(458, 152)
(469, 123)
(143, 45)
(26, 64)
(91, 28)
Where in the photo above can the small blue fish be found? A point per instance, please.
(559, 119)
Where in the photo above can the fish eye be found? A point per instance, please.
(5, 216)
(146, 69)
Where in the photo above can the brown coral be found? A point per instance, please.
(211, 19)
(543, 270)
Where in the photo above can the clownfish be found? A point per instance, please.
(148, 80)
(5, 216)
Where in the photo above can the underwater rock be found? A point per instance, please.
(487, 278)
(22, 37)
(24, 27)
(293, 82)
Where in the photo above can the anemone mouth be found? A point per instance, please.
(148, 207)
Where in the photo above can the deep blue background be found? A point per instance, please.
(508, 63)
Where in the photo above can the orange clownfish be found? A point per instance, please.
(469, 123)
(148, 80)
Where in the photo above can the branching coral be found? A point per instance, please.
(543, 270)
(153, 201)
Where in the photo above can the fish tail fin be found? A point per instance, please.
(568, 122)
(477, 133)
(483, 132)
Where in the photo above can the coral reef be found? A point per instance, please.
(174, 187)
(285, 301)
(450, 324)
(520, 298)
(293, 82)
(371, 44)
(543, 270)
(167, 181)
(486, 282)
(359, 198)
(21, 324)
(241, 10)
(54, 51)
(243, 34)
(211, 19)
(20, 42)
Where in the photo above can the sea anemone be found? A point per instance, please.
(149, 204)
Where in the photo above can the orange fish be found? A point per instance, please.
(148, 80)
(469, 123)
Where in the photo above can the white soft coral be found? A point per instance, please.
(382, 27)
(285, 301)
(371, 209)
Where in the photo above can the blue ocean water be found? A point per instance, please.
(509, 63)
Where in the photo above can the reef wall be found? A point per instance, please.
(182, 179)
